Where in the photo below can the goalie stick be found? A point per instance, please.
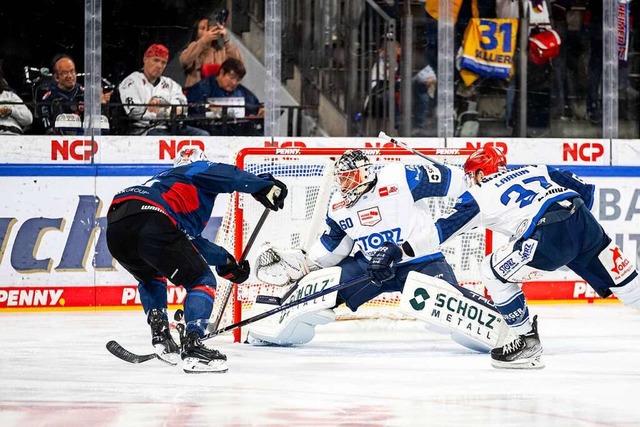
(406, 147)
(124, 354)
(289, 305)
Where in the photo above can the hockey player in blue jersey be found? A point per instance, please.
(154, 231)
(545, 212)
(374, 215)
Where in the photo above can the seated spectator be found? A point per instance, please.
(14, 117)
(65, 96)
(226, 84)
(148, 97)
(210, 46)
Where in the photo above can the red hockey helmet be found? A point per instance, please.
(489, 160)
(544, 45)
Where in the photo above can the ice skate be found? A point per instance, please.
(522, 353)
(197, 358)
(166, 348)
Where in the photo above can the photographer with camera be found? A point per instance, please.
(210, 46)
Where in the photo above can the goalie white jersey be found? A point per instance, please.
(512, 202)
(390, 211)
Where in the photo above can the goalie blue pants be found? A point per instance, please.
(354, 267)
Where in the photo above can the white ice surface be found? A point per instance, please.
(55, 371)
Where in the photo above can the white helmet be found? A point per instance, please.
(353, 176)
(188, 155)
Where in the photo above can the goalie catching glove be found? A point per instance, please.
(233, 271)
(278, 266)
(272, 196)
(382, 265)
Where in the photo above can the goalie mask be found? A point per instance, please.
(353, 175)
(188, 155)
(489, 160)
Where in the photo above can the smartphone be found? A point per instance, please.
(221, 17)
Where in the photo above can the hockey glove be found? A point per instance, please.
(272, 196)
(233, 271)
(381, 267)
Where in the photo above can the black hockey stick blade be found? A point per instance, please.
(273, 300)
(123, 354)
(287, 306)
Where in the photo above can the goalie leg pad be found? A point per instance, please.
(297, 324)
(296, 331)
(470, 318)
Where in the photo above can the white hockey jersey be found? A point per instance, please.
(136, 89)
(390, 211)
(512, 202)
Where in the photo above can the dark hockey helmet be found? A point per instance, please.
(188, 155)
(353, 175)
(489, 160)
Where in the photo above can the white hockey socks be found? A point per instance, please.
(629, 294)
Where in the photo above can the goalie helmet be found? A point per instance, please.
(489, 160)
(544, 45)
(353, 175)
(188, 155)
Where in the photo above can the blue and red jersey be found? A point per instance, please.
(186, 194)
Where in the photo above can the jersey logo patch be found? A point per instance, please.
(388, 191)
(338, 205)
(370, 217)
(619, 266)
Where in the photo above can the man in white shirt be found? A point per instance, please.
(151, 95)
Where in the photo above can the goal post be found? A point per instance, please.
(308, 174)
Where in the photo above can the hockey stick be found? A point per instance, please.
(124, 354)
(289, 305)
(406, 147)
(227, 292)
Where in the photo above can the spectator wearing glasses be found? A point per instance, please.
(66, 96)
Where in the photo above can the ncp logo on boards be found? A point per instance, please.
(583, 151)
(169, 149)
(500, 145)
(78, 149)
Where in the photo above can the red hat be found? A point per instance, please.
(158, 50)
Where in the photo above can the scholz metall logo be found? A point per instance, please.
(420, 296)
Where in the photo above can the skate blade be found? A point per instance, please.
(531, 363)
(193, 365)
(168, 358)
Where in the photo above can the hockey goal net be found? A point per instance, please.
(308, 173)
